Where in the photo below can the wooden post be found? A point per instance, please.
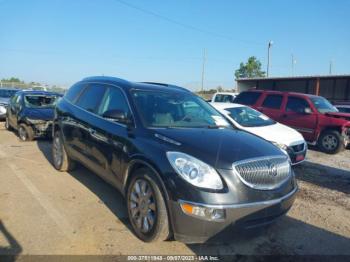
(317, 87)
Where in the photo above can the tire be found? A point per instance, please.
(7, 124)
(331, 142)
(61, 161)
(149, 207)
(25, 133)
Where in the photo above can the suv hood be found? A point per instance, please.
(39, 113)
(345, 116)
(219, 147)
(278, 133)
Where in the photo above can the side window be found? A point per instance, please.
(114, 99)
(247, 98)
(91, 97)
(296, 104)
(273, 101)
(223, 98)
(73, 92)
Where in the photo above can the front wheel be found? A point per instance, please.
(61, 160)
(146, 207)
(331, 142)
(25, 133)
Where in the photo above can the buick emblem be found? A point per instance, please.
(272, 169)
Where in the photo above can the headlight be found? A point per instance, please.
(2, 109)
(194, 171)
(283, 147)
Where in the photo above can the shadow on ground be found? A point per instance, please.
(13, 249)
(324, 176)
(287, 236)
(107, 194)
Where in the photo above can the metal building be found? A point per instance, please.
(335, 88)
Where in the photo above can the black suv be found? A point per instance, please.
(31, 113)
(183, 170)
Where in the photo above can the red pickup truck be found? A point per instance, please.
(313, 116)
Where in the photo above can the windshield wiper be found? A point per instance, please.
(217, 126)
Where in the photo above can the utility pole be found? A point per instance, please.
(203, 67)
(293, 63)
(330, 67)
(268, 57)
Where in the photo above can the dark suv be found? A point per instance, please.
(31, 113)
(183, 170)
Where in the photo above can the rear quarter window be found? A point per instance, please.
(91, 98)
(73, 93)
(247, 98)
(273, 101)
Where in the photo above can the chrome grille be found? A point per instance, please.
(263, 173)
(298, 148)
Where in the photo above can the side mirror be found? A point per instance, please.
(307, 111)
(117, 116)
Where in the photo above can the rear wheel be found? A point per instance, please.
(331, 142)
(146, 207)
(25, 133)
(61, 160)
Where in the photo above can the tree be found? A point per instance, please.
(12, 79)
(250, 69)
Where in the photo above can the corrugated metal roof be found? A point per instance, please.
(292, 77)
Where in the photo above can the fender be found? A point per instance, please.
(140, 159)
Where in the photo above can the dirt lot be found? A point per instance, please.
(43, 211)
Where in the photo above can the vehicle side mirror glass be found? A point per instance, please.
(117, 116)
(307, 111)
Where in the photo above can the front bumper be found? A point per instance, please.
(190, 229)
(42, 129)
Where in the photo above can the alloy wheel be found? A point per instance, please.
(330, 142)
(57, 151)
(22, 133)
(142, 206)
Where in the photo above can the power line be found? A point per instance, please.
(187, 26)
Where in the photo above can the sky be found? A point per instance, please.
(62, 41)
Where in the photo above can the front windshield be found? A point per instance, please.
(323, 105)
(247, 117)
(176, 110)
(7, 93)
(40, 101)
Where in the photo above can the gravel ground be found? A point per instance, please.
(43, 211)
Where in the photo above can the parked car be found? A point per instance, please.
(5, 96)
(182, 168)
(31, 113)
(343, 108)
(290, 141)
(223, 97)
(313, 116)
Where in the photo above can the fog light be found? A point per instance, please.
(207, 213)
